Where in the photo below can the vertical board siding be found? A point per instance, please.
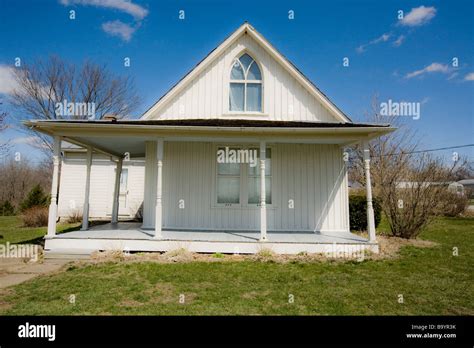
(313, 176)
(207, 96)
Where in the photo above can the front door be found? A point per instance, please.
(123, 195)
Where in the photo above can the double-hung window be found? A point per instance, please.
(238, 184)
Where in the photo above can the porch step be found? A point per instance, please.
(69, 254)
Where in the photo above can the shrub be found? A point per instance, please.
(75, 216)
(36, 198)
(7, 209)
(358, 212)
(35, 217)
(452, 204)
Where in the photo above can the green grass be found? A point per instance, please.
(12, 231)
(431, 280)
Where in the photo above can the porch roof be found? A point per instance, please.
(128, 136)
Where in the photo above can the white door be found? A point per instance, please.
(123, 195)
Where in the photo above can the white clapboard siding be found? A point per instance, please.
(313, 176)
(207, 96)
(72, 185)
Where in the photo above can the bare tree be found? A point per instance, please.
(408, 183)
(43, 88)
(18, 177)
(4, 145)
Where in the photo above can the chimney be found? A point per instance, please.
(110, 117)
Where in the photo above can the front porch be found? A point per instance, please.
(129, 236)
(300, 165)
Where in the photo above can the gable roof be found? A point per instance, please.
(246, 28)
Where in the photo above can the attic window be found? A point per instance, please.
(245, 91)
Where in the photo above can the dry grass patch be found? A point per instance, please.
(130, 303)
(4, 305)
(255, 294)
(389, 248)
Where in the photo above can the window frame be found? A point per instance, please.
(244, 176)
(245, 82)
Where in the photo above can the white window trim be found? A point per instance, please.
(244, 205)
(228, 81)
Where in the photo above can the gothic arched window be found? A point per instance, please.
(245, 90)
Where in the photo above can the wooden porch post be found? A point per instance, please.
(368, 188)
(115, 205)
(85, 209)
(159, 188)
(53, 206)
(263, 208)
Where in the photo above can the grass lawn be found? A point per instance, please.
(431, 280)
(11, 230)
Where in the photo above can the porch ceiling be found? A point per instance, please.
(119, 137)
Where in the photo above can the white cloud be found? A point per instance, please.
(469, 77)
(382, 38)
(7, 79)
(418, 16)
(138, 12)
(432, 68)
(398, 42)
(118, 28)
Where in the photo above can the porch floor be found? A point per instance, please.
(132, 231)
(130, 236)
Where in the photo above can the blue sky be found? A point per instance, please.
(408, 60)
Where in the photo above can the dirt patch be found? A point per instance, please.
(389, 247)
(172, 256)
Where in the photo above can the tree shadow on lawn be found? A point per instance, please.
(40, 240)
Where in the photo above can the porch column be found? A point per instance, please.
(149, 188)
(263, 208)
(159, 188)
(368, 188)
(115, 205)
(53, 206)
(85, 210)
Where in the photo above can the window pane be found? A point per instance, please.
(246, 60)
(228, 168)
(254, 97)
(228, 190)
(123, 180)
(224, 168)
(254, 190)
(268, 164)
(237, 73)
(254, 72)
(236, 97)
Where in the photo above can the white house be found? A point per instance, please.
(178, 165)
